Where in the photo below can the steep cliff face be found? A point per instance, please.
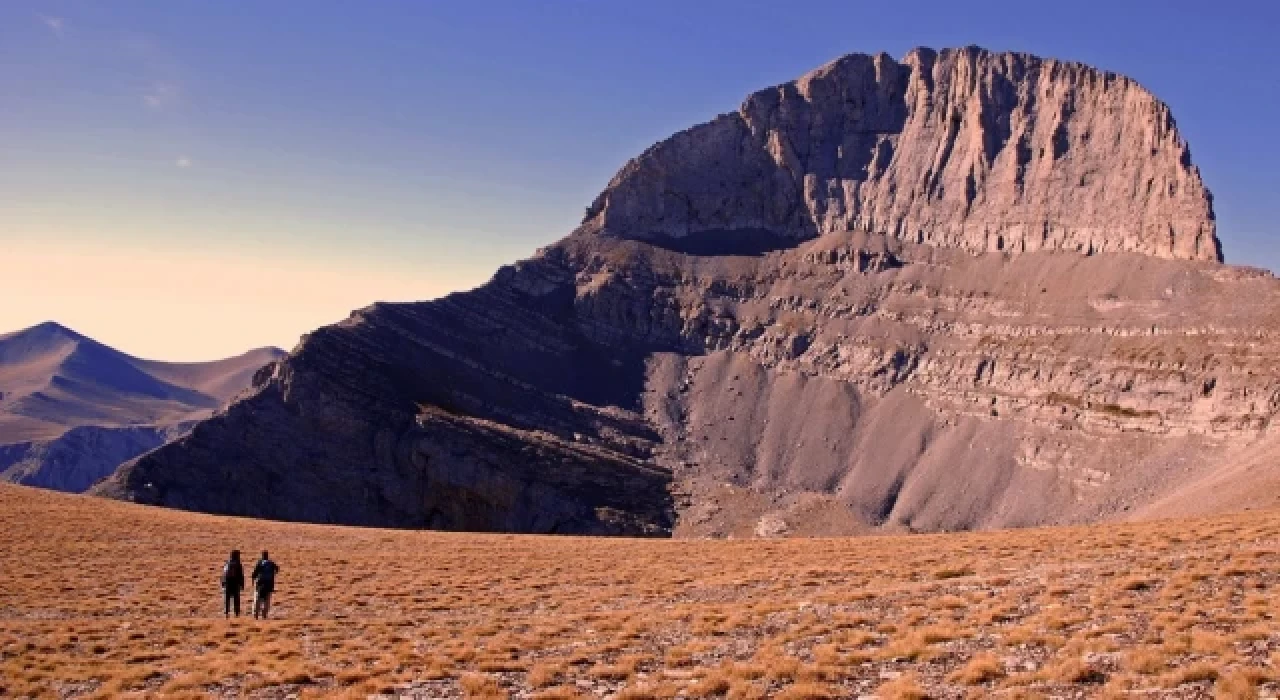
(857, 303)
(962, 148)
(487, 410)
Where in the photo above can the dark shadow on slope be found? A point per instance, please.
(726, 242)
(485, 410)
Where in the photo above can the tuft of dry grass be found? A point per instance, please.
(715, 684)
(808, 691)
(953, 572)
(482, 687)
(906, 687)
(558, 693)
(981, 669)
(1146, 660)
(543, 675)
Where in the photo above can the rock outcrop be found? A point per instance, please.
(963, 148)
(965, 290)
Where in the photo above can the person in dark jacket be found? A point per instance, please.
(264, 584)
(232, 584)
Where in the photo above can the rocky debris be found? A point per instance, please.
(856, 303)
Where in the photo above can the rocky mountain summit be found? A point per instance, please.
(964, 290)
(73, 409)
(962, 148)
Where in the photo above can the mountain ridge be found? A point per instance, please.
(72, 409)
(897, 297)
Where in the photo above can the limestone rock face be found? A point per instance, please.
(858, 303)
(961, 148)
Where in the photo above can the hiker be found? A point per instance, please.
(264, 583)
(232, 584)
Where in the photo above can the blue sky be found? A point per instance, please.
(399, 150)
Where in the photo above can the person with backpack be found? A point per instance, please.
(264, 584)
(232, 584)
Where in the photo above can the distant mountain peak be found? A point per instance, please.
(54, 380)
(50, 329)
(45, 330)
(50, 326)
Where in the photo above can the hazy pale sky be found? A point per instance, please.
(188, 180)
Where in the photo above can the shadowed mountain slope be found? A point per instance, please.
(963, 290)
(73, 409)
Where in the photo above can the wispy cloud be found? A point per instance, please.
(161, 76)
(161, 94)
(55, 24)
(182, 162)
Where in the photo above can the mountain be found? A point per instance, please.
(73, 409)
(963, 290)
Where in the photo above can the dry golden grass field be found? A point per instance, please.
(105, 599)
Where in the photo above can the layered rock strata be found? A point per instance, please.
(964, 290)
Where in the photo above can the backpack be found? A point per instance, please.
(232, 577)
(266, 574)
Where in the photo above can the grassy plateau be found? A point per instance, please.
(105, 599)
